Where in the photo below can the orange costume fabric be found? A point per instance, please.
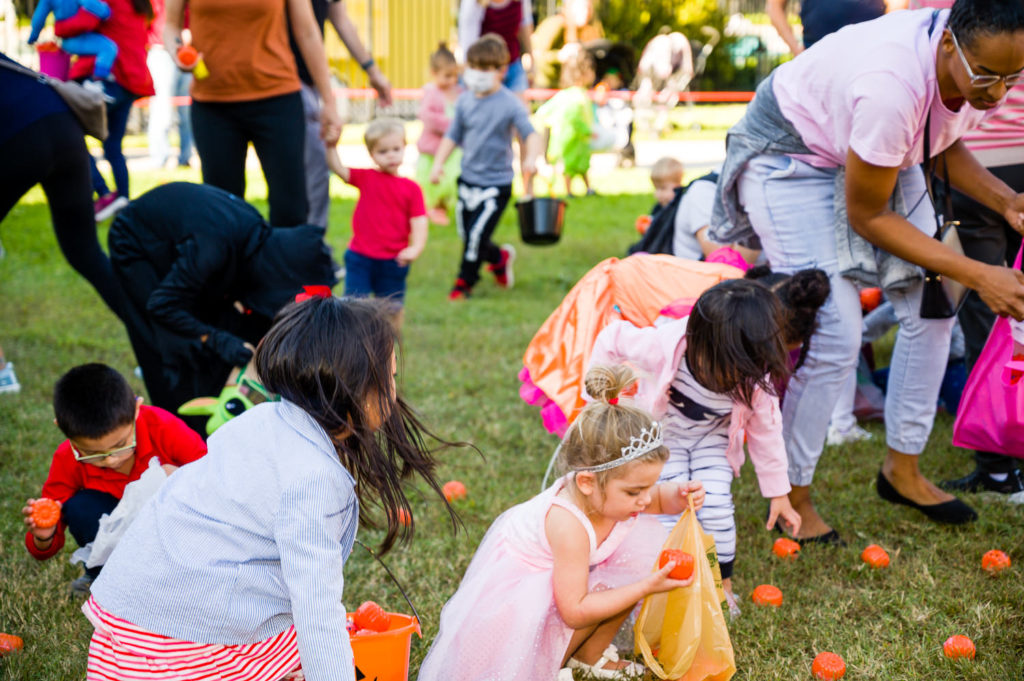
(244, 44)
(635, 289)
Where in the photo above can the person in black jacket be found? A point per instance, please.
(204, 275)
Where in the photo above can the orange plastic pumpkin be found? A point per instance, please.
(875, 556)
(766, 594)
(642, 223)
(9, 643)
(45, 513)
(454, 490)
(958, 646)
(371, 616)
(870, 298)
(828, 667)
(187, 55)
(786, 548)
(994, 562)
(682, 559)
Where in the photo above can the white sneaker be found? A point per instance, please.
(842, 437)
(8, 381)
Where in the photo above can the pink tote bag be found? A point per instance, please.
(991, 413)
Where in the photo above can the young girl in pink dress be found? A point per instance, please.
(569, 565)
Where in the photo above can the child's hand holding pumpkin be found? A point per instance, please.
(41, 518)
(659, 581)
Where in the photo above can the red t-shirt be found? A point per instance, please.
(380, 223)
(158, 433)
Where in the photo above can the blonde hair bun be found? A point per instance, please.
(605, 383)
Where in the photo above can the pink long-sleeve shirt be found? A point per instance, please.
(654, 352)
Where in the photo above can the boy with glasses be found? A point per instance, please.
(112, 437)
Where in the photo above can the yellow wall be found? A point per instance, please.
(400, 33)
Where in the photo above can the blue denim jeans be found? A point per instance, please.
(790, 204)
(117, 121)
(365, 276)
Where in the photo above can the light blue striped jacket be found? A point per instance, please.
(244, 542)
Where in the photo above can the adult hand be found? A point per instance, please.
(435, 174)
(330, 124)
(1002, 289)
(1015, 213)
(228, 347)
(380, 83)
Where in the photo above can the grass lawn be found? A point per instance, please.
(459, 365)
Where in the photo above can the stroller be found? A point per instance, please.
(667, 67)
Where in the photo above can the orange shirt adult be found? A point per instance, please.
(245, 47)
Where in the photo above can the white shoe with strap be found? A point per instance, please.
(632, 670)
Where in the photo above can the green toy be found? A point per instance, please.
(233, 400)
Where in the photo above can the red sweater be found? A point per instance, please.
(158, 433)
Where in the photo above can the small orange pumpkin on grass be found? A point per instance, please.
(994, 562)
(682, 559)
(875, 556)
(454, 490)
(958, 646)
(45, 513)
(828, 667)
(9, 643)
(786, 549)
(766, 594)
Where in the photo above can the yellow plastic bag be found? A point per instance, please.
(682, 633)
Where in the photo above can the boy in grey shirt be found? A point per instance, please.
(486, 115)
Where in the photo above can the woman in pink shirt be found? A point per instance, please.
(997, 144)
(823, 171)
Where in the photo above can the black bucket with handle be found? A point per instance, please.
(541, 219)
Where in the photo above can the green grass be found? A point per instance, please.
(459, 366)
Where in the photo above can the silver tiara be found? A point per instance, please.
(646, 441)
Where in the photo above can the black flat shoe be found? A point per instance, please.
(953, 512)
(830, 538)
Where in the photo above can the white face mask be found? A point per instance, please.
(478, 81)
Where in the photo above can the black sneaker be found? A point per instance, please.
(980, 481)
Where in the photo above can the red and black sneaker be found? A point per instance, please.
(502, 271)
(461, 290)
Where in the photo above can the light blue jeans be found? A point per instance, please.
(790, 204)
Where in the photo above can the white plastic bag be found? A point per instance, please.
(114, 524)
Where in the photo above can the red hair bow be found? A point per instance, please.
(613, 400)
(313, 292)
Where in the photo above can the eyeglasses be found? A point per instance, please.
(96, 456)
(986, 80)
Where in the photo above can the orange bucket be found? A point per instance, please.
(384, 655)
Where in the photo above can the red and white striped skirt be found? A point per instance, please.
(121, 651)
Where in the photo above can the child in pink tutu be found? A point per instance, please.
(570, 564)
